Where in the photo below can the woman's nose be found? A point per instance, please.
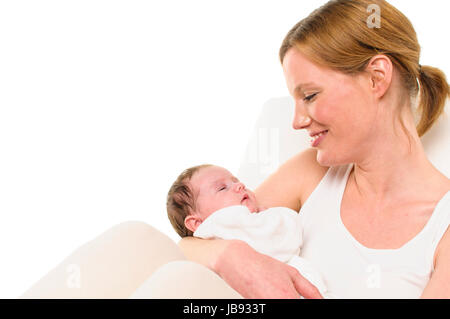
(301, 118)
(301, 122)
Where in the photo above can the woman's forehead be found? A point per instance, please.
(302, 74)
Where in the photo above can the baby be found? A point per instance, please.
(207, 201)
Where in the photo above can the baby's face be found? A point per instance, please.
(217, 188)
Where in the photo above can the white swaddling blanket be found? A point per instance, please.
(275, 232)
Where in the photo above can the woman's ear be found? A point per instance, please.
(380, 70)
(192, 222)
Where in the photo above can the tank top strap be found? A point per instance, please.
(440, 222)
(327, 195)
(336, 178)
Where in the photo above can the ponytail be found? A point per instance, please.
(434, 91)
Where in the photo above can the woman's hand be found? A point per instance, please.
(259, 276)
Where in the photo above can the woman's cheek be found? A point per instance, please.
(323, 112)
(315, 112)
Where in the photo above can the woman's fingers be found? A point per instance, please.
(305, 288)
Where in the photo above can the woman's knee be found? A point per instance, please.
(111, 265)
(143, 245)
(136, 228)
(143, 238)
(185, 280)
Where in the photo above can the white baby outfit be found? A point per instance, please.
(275, 232)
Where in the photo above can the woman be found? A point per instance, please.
(374, 209)
(376, 225)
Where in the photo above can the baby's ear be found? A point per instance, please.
(192, 222)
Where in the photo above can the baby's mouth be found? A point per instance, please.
(244, 198)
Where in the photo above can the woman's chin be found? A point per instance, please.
(324, 158)
(329, 159)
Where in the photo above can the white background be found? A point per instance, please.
(104, 103)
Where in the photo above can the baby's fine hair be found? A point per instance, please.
(181, 200)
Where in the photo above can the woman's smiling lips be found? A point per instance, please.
(318, 137)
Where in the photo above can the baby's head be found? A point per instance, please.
(200, 191)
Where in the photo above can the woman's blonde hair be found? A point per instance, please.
(337, 35)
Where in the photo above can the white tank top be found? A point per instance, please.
(351, 270)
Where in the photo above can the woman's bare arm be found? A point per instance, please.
(204, 251)
(292, 183)
(251, 274)
(439, 285)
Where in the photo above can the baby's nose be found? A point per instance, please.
(239, 187)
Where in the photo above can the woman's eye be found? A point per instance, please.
(310, 97)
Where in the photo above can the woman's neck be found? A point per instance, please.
(395, 167)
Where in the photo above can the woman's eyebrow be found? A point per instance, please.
(300, 87)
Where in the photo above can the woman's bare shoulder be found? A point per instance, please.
(292, 183)
(310, 171)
